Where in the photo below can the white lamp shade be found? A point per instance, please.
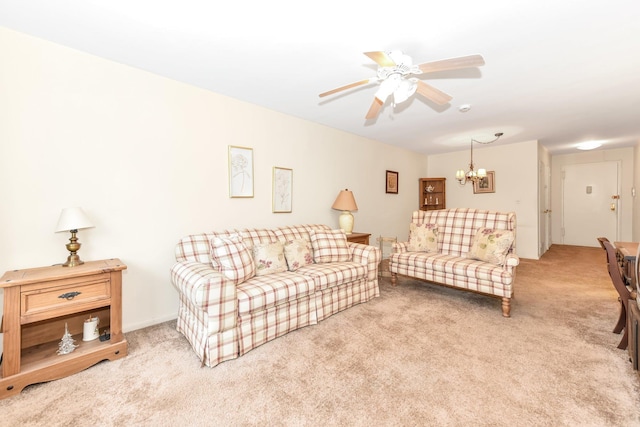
(73, 219)
(482, 173)
(460, 175)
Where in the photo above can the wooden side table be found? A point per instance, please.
(39, 302)
(362, 238)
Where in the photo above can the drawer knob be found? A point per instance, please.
(70, 295)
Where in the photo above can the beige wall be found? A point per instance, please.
(626, 159)
(516, 184)
(146, 157)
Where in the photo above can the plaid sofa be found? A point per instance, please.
(223, 320)
(450, 265)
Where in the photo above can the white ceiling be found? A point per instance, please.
(561, 72)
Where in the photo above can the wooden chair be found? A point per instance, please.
(624, 294)
(601, 240)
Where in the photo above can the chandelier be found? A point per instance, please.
(471, 175)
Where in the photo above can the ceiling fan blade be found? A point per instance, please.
(381, 58)
(375, 108)
(345, 87)
(452, 64)
(430, 92)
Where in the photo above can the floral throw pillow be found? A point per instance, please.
(329, 246)
(298, 253)
(231, 257)
(269, 258)
(423, 237)
(491, 245)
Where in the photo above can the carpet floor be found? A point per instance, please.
(420, 355)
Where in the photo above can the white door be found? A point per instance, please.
(544, 185)
(590, 194)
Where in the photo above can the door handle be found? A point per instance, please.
(613, 206)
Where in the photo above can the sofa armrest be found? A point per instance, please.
(204, 287)
(512, 260)
(367, 255)
(400, 247)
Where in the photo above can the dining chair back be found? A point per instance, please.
(623, 292)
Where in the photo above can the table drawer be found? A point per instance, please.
(61, 297)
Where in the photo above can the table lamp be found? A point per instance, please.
(73, 219)
(346, 203)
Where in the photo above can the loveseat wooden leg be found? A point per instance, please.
(506, 307)
(394, 279)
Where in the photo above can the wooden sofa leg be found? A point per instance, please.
(506, 307)
(394, 279)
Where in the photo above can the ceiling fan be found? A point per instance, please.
(394, 69)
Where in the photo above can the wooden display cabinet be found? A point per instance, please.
(432, 194)
(39, 302)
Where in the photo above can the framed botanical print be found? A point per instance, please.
(392, 182)
(240, 171)
(282, 189)
(486, 184)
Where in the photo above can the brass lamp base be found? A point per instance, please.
(73, 246)
(72, 260)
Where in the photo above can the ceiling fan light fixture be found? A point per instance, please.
(405, 89)
(396, 66)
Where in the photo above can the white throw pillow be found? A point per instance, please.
(423, 237)
(269, 258)
(329, 246)
(231, 257)
(491, 245)
(298, 253)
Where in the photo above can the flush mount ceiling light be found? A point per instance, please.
(471, 175)
(589, 145)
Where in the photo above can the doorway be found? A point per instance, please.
(544, 202)
(590, 203)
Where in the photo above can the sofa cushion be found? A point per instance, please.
(491, 245)
(270, 290)
(231, 257)
(329, 246)
(298, 253)
(423, 237)
(269, 258)
(450, 269)
(334, 274)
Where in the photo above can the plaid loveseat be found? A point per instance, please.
(224, 318)
(450, 264)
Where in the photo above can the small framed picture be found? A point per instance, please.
(282, 189)
(486, 184)
(392, 182)
(240, 171)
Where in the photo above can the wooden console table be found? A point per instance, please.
(38, 302)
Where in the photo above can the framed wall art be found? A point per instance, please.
(392, 182)
(282, 189)
(240, 171)
(486, 184)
